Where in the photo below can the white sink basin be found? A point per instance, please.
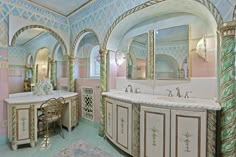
(178, 100)
(141, 98)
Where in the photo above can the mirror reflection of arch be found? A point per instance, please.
(41, 62)
(87, 63)
(166, 67)
(138, 53)
(29, 67)
(172, 46)
(28, 41)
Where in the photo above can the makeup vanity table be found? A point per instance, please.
(22, 115)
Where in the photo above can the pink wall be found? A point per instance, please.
(113, 74)
(16, 79)
(93, 83)
(3, 92)
(201, 68)
(83, 68)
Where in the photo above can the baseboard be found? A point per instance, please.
(94, 124)
(3, 139)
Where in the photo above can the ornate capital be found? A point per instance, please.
(103, 52)
(71, 58)
(228, 29)
(52, 61)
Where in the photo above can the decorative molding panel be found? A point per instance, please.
(87, 103)
(3, 64)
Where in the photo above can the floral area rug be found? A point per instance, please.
(82, 149)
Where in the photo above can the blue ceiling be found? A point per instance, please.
(63, 7)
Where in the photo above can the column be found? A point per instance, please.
(103, 85)
(71, 71)
(151, 56)
(227, 90)
(34, 74)
(53, 72)
(26, 72)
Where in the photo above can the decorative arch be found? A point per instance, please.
(234, 13)
(29, 60)
(128, 19)
(208, 4)
(79, 37)
(55, 51)
(171, 60)
(53, 33)
(36, 54)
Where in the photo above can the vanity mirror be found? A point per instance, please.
(178, 47)
(171, 50)
(137, 57)
(33, 56)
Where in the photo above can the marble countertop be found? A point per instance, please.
(28, 97)
(164, 101)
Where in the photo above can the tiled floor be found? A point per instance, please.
(84, 131)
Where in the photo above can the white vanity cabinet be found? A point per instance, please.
(22, 115)
(161, 126)
(71, 111)
(74, 111)
(118, 123)
(181, 132)
(21, 125)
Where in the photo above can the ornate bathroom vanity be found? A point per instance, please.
(147, 125)
(22, 115)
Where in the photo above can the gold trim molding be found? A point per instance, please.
(208, 4)
(53, 33)
(79, 35)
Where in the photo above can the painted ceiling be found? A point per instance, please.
(62, 7)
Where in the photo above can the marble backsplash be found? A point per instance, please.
(204, 87)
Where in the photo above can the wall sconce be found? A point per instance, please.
(201, 48)
(119, 58)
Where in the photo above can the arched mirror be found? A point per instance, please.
(31, 57)
(41, 62)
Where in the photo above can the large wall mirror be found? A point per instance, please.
(172, 53)
(180, 46)
(137, 57)
(31, 57)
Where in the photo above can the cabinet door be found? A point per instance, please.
(155, 132)
(109, 118)
(23, 123)
(188, 133)
(123, 125)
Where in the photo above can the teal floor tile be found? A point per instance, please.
(84, 131)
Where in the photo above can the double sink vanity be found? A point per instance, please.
(147, 125)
